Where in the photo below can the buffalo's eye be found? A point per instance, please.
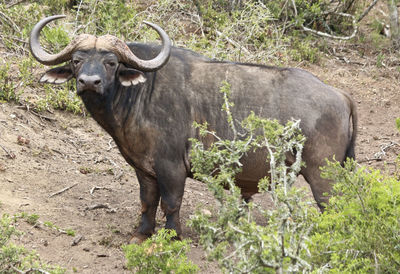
(76, 62)
(111, 64)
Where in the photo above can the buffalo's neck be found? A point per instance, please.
(114, 111)
(99, 108)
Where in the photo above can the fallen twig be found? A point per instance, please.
(367, 10)
(62, 190)
(15, 3)
(97, 206)
(235, 44)
(26, 107)
(384, 147)
(43, 117)
(117, 177)
(30, 270)
(110, 146)
(76, 240)
(324, 34)
(93, 189)
(9, 153)
(378, 156)
(9, 22)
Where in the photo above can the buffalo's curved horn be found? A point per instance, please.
(126, 55)
(65, 55)
(107, 42)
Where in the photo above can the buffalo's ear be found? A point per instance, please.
(130, 77)
(57, 75)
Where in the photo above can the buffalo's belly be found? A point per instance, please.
(254, 168)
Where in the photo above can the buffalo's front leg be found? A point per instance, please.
(149, 197)
(171, 180)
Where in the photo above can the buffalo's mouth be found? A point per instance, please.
(88, 88)
(81, 92)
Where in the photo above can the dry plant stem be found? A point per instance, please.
(367, 10)
(43, 117)
(354, 22)
(76, 240)
(62, 190)
(380, 154)
(15, 3)
(98, 206)
(9, 153)
(324, 34)
(26, 107)
(93, 189)
(235, 44)
(9, 22)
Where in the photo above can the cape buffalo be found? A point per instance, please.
(147, 98)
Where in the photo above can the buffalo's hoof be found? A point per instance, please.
(138, 239)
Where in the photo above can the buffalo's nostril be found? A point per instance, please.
(89, 81)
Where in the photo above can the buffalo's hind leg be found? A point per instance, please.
(149, 197)
(320, 188)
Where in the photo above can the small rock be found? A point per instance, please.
(206, 212)
(76, 240)
(22, 141)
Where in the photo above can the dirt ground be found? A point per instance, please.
(41, 155)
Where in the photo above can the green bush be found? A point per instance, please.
(159, 254)
(359, 230)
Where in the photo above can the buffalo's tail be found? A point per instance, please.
(350, 150)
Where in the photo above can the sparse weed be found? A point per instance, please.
(32, 219)
(16, 259)
(302, 50)
(70, 232)
(380, 60)
(60, 97)
(7, 87)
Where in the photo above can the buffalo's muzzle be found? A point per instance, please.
(89, 83)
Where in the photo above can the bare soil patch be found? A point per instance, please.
(41, 155)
